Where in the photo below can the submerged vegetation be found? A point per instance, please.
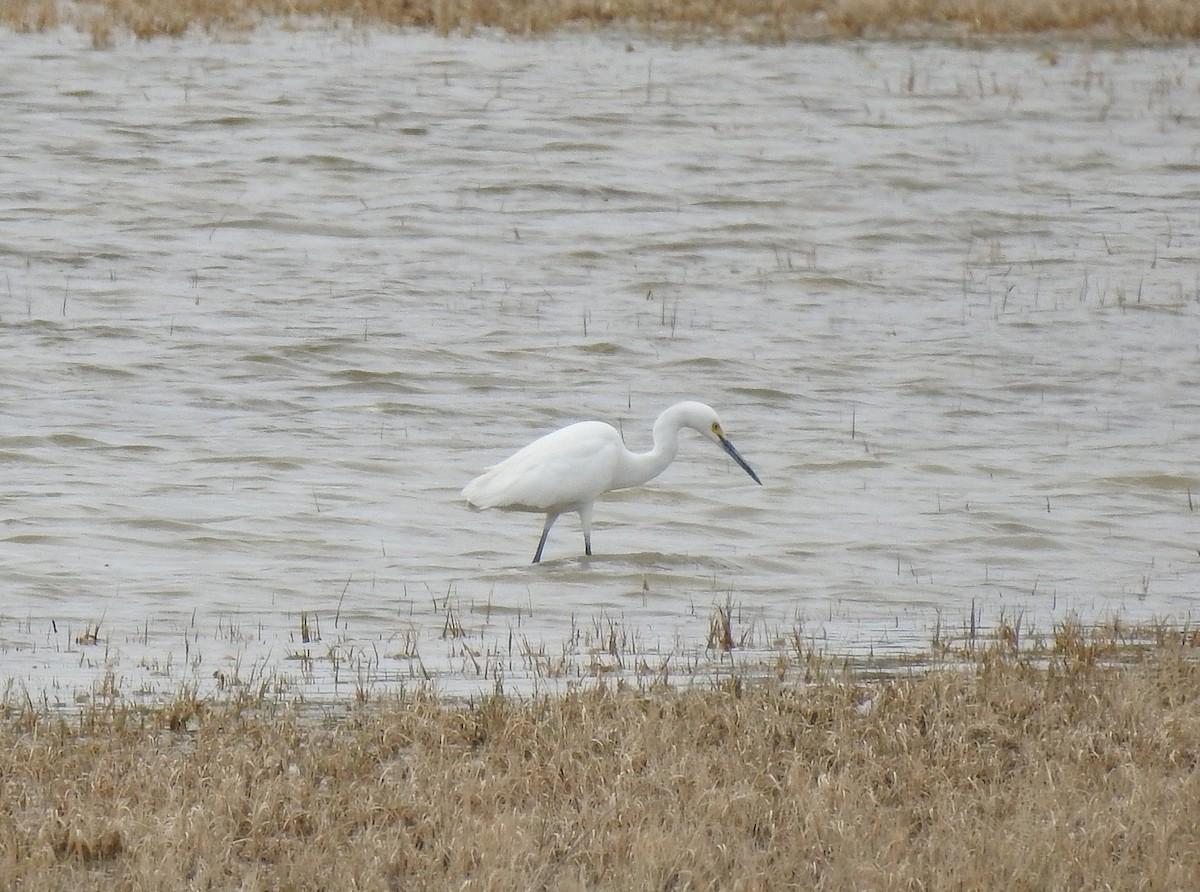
(1069, 764)
(775, 20)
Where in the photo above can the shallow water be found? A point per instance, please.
(268, 303)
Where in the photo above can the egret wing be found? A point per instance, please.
(562, 469)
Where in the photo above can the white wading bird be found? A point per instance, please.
(569, 469)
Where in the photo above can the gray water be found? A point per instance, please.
(269, 302)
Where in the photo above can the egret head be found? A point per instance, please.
(704, 419)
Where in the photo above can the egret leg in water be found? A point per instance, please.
(569, 469)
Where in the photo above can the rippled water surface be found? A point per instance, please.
(268, 303)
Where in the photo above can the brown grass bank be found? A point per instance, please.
(774, 20)
(1064, 773)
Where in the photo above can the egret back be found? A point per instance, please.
(558, 472)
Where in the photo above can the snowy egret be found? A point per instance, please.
(569, 469)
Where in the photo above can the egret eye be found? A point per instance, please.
(716, 428)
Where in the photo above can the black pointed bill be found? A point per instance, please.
(736, 456)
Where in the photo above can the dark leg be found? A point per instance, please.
(550, 518)
(585, 517)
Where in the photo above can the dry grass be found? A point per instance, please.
(1050, 772)
(1136, 20)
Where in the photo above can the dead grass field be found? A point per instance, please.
(1060, 769)
(762, 20)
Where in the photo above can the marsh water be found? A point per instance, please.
(269, 300)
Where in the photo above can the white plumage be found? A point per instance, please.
(566, 471)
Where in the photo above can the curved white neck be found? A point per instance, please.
(639, 467)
